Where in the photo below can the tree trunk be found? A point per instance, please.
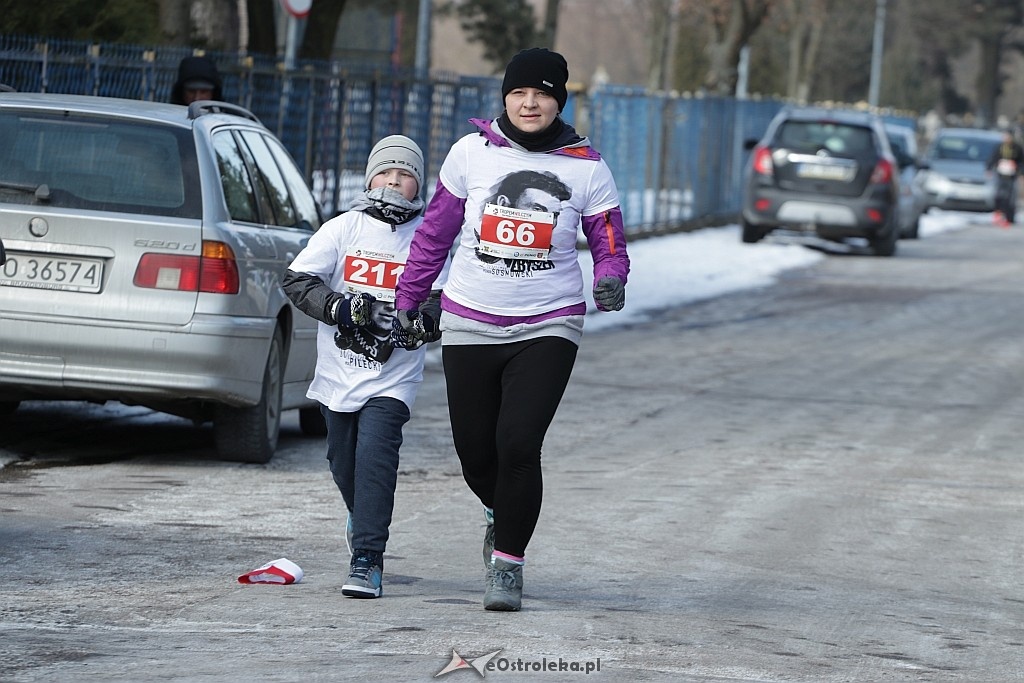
(797, 40)
(988, 82)
(321, 27)
(175, 25)
(216, 24)
(659, 40)
(262, 36)
(733, 23)
(550, 32)
(809, 20)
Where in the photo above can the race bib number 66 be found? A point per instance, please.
(516, 233)
(373, 272)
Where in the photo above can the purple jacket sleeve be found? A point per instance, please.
(430, 247)
(606, 237)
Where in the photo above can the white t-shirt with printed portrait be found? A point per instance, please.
(517, 249)
(355, 252)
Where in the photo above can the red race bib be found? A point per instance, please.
(516, 233)
(373, 272)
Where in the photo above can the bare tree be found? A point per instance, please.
(262, 36)
(502, 27)
(807, 21)
(175, 22)
(321, 27)
(732, 24)
(995, 22)
(550, 31)
(215, 24)
(660, 54)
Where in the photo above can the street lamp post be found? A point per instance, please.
(876, 53)
(423, 38)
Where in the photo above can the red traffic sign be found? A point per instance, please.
(297, 8)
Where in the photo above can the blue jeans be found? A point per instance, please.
(362, 450)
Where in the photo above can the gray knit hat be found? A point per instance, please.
(395, 151)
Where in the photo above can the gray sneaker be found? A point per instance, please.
(504, 586)
(366, 574)
(488, 536)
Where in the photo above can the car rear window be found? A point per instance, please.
(89, 162)
(813, 136)
(963, 148)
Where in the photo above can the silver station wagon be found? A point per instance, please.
(145, 246)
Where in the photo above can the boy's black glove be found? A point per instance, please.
(609, 294)
(354, 311)
(407, 331)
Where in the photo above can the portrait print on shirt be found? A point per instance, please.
(370, 343)
(374, 272)
(518, 221)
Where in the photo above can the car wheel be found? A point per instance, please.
(914, 232)
(884, 244)
(8, 407)
(249, 434)
(752, 233)
(311, 422)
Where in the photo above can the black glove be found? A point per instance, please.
(430, 314)
(407, 330)
(609, 294)
(354, 311)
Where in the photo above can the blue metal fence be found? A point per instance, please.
(677, 160)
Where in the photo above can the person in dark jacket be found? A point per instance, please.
(1006, 162)
(198, 79)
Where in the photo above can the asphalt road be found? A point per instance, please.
(818, 481)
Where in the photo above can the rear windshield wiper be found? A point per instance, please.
(42, 192)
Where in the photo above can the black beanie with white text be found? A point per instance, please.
(540, 68)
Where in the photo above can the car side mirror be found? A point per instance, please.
(749, 144)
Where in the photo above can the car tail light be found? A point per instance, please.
(762, 204)
(215, 271)
(875, 216)
(763, 161)
(882, 175)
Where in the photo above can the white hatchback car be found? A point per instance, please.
(145, 247)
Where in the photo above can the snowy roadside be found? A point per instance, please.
(673, 270)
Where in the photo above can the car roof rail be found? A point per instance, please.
(201, 107)
(6, 88)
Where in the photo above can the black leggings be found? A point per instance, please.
(1006, 196)
(501, 400)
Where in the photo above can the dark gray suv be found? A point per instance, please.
(145, 246)
(823, 171)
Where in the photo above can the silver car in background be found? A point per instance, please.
(956, 177)
(145, 248)
(913, 202)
